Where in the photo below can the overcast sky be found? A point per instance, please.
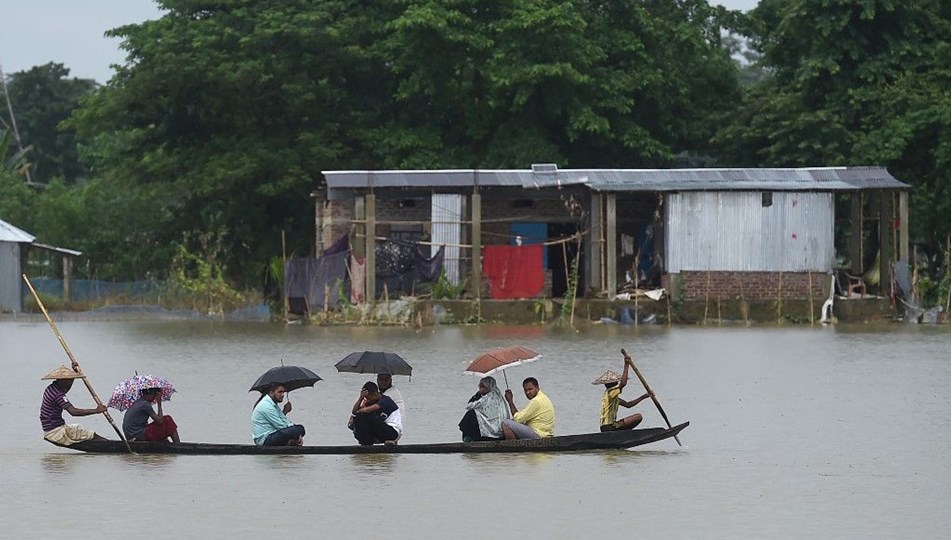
(70, 32)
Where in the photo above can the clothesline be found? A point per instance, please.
(451, 222)
(557, 241)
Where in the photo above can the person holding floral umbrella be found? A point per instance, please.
(135, 396)
(136, 425)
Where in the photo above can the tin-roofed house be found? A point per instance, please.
(11, 241)
(757, 234)
(769, 234)
(14, 245)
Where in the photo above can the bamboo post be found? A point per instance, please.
(779, 297)
(327, 294)
(476, 216)
(284, 264)
(707, 296)
(370, 205)
(565, 265)
(578, 252)
(667, 298)
(611, 249)
(810, 293)
(904, 227)
(75, 364)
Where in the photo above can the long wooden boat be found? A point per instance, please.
(565, 443)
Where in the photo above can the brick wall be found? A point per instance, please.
(748, 285)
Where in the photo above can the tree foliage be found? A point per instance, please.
(231, 109)
(852, 83)
(225, 112)
(42, 97)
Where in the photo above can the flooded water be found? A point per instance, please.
(795, 433)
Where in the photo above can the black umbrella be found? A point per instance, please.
(374, 362)
(292, 377)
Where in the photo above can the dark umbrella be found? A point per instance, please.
(292, 377)
(374, 362)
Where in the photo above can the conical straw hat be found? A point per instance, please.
(62, 372)
(607, 378)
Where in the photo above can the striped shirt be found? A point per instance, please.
(52, 407)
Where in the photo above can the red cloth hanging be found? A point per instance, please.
(513, 271)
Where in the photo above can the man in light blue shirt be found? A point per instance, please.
(270, 425)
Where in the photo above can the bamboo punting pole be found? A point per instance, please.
(75, 364)
(647, 389)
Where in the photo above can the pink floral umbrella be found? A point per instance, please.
(129, 390)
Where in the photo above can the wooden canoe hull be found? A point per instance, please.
(565, 443)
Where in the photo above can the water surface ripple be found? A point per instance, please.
(795, 433)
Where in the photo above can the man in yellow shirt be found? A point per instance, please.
(534, 421)
(612, 398)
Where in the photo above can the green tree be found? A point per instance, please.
(227, 111)
(505, 84)
(852, 83)
(16, 198)
(42, 97)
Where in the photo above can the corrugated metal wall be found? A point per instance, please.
(445, 215)
(10, 277)
(731, 231)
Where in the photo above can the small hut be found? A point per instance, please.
(14, 244)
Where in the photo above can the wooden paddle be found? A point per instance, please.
(75, 364)
(647, 389)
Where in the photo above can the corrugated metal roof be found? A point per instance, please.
(800, 179)
(61, 251)
(9, 233)
(788, 179)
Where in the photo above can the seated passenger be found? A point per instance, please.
(136, 425)
(536, 420)
(484, 413)
(270, 425)
(376, 417)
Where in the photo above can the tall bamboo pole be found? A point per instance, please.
(75, 364)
